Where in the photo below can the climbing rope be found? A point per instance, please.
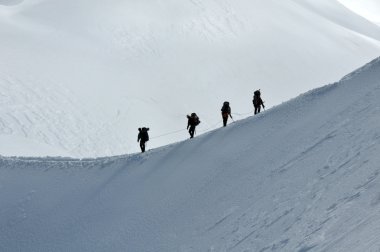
(167, 134)
(243, 114)
(212, 127)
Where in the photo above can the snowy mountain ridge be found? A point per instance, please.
(81, 86)
(302, 176)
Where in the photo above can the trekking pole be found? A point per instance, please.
(232, 118)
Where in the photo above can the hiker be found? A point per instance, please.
(143, 137)
(226, 111)
(257, 101)
(192, 122)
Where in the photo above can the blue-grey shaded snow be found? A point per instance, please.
(81, 76)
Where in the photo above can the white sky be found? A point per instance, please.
(370, 9)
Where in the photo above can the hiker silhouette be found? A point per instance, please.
(192, 122)
(143, 137)
(226, 111)
(257, 101)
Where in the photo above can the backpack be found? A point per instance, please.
(226, 107)
(194, 119)
(144, 136)
(256, 98)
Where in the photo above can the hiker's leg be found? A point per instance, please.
(142, 146)
(192, 130)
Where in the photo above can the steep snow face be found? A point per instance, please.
(82, 76)
(302, 176)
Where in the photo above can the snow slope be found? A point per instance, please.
(82, 75)
(302, 176)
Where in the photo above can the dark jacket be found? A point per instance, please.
(226, 110)
(143, 135)
(192, 120)
(257, 101)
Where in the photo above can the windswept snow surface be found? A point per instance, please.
(82, 75)
(302, 176)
